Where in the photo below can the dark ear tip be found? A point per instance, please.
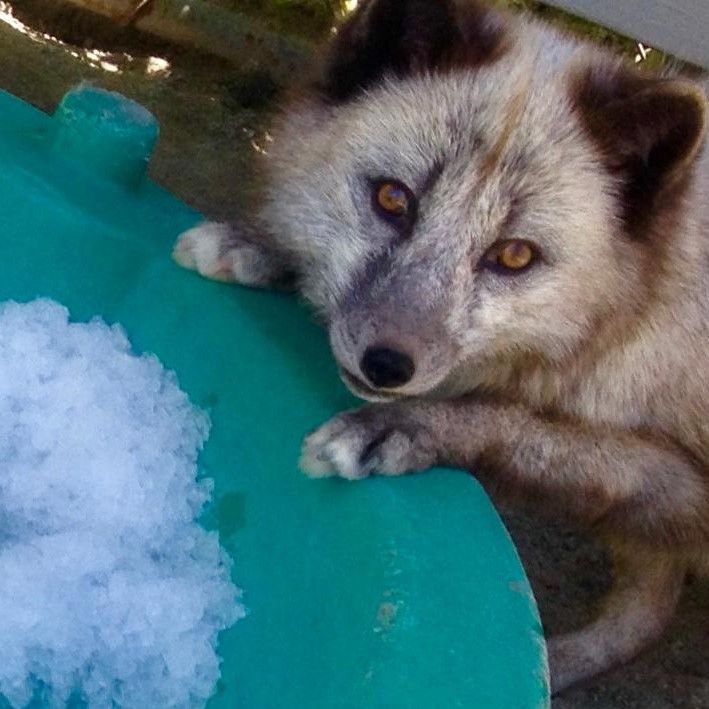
(678, 89)
(691, 95)
(406, 37)
(687, 102)
(607, 90)
(648, 131)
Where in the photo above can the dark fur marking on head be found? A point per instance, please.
(405, 37)
(514, 114)
(432, 177)
(368, 275)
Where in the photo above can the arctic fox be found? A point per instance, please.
(506, 232)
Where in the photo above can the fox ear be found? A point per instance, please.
(403, 37)
(650, 130)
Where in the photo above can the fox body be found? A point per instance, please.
(506, 232)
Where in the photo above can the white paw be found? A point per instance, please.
(215, 250)
(205, 249)
(354, 445)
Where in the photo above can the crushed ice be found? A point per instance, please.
(110, 591)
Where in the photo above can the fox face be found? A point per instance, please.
(456, 221)
(470, 195)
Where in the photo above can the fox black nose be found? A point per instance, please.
(386, 368)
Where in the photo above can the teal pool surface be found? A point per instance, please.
(401, 592)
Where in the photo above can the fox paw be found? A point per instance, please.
(373, 438)
(215, 251)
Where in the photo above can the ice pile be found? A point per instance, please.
(110, 591)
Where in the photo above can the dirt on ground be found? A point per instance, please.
(214, 127)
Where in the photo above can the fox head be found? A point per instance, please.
(462, 188)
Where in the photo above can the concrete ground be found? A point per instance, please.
(212, 133)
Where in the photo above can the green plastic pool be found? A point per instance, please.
(401, 592)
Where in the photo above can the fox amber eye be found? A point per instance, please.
(511, 256)
(393, 198)
(515, 255)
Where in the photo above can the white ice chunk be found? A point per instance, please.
(109, 588)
